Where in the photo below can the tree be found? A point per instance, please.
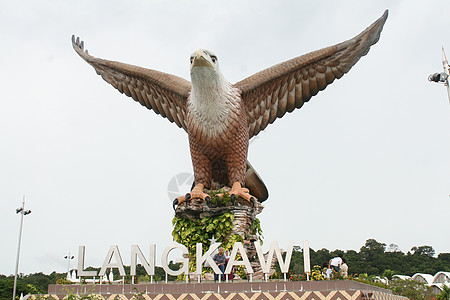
(412, 289)
(423, 250)
(445, 293)
(445, 257)
(388, 274)
(372, 254)
(392, 248)
(372, 247)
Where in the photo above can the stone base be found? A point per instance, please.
(244, 216)
(305, 290)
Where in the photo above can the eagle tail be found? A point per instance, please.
(255, 184)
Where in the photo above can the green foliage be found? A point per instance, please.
(255, 229)
(138, 295)
(370, 279)
(388, 274)
(412, 289)
(220, 201)
(445, 293)
(423, 250)
(36, 283)
(373, 259)
(190, 232)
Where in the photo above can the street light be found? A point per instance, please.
(68, 257)
(23, 212)
(444, 76)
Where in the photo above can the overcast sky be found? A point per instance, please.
(366, 158)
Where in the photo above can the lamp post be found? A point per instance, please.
(68, 257)
(23, 212)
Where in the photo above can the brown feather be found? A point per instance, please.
(153, 89)
(312, 73)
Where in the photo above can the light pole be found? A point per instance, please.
(444, 76)
(23, 212)
(68, 257)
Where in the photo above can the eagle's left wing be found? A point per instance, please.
(163, 93)
(271, 93)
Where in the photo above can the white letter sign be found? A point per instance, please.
(113, 251)
(137, 253)
(265, 265)
(81, 271)
(164, 260)
(206, 257)
(232, 262)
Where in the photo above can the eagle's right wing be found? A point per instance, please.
(163, 93)
(271, 93)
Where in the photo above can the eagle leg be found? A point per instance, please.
(238, 190)
(196, 193)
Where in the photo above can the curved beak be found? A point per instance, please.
(201, 60)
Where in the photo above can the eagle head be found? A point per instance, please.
(204, 58)
(205, 69)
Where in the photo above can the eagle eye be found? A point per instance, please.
(214, 58)
(192, 59)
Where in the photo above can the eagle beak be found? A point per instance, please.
(201, 60)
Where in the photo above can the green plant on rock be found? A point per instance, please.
(220, 201)
(190, 232)
(255, 229)
(228, 245)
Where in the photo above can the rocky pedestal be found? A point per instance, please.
(244, 216)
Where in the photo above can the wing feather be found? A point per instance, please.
(290, 84)
(163, 93)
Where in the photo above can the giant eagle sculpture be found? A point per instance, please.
(219, 117)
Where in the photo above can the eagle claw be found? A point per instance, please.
(233, 198)
(238, 190)
(175, 202)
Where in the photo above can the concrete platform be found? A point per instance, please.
(305, 290)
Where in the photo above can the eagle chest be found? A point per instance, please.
(213, 125)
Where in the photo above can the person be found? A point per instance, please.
(324, 268)
(336, 263)
(219, 259)
(328, 273)
(344, 268)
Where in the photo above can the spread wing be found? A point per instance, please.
(163, 93)
(271, 93)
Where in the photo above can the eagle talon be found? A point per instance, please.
(175, 202)
(233, 199)
(188, 196)
(237, 190)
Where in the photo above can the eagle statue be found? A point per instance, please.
(219, 117)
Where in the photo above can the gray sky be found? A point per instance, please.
(366, 158)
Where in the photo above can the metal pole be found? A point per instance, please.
(446, 71)
(68, 266)
(22, 212)
(68, 257)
